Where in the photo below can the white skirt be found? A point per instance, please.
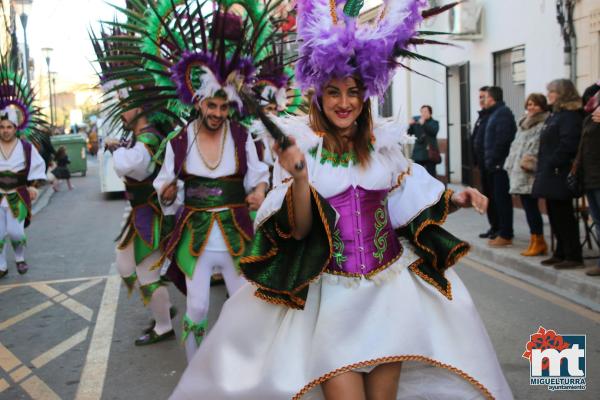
(262, 351)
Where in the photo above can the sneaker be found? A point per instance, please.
(500, 242)
(552, 260)
(568, 264)
(3, 273)
(22, 267)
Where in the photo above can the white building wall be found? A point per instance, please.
(507, 24)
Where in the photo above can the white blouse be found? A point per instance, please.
(135, 162)
(413, 189)
(16, 163)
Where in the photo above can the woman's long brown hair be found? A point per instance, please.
(333, 142)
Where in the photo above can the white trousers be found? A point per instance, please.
(198, 288)
(11, 230)
(160, 303)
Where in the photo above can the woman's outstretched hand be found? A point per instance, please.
(471, 197)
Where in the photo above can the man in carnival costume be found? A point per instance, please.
(353, 293)
(146, 231)
(21, 165)
(211, 173)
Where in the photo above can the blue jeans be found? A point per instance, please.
(593, 198)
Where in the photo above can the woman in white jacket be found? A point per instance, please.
(521, 166)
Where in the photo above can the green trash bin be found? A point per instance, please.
(76, 150)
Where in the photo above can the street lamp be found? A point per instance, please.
(22, 7)
(53, 75)
(47, 51)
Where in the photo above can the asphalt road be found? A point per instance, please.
(67, 327)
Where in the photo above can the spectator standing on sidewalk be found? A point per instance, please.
(559, 141)
(499, 134)
(478, 160)
(521, 164)
(425, 130)
(590, 159)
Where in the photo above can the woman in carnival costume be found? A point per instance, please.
(22, 131)
(340, 308)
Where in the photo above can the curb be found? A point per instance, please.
(574, 285)
(44, 196)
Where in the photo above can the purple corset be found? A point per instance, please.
(364, 240)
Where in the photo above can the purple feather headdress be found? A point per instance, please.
(197, 76)
(334, 45)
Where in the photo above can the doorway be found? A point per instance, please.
(460, 157)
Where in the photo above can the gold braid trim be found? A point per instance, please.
(239, 228)
(252, 259)
(414, 267)
(281, 233)
(289, 200)
(276, 301)
(395, 359)
(192, 234)
(332, 12)
(401, 178)
(447, 195)
(455, 255)
(128, 235)
(274, 250)
(24, 202)
(229, 246)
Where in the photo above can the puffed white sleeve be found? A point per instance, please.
(37, 169)
(412, 188)
(257, 170)
(135, 162)
(167, 175)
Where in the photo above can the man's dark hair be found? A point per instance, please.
(495, 93)
(429, 108)
(484, 88)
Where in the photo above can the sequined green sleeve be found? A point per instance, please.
(437, 248)
(283, 267)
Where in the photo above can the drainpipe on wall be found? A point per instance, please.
(564, 16)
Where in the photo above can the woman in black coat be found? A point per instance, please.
(559, 141)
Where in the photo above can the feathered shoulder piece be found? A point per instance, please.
(390, 134)
(335, 45)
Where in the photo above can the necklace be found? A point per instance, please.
(213, 167)
(10, 152)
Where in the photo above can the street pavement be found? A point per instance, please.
(67, 327)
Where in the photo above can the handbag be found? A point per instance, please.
(434, 154)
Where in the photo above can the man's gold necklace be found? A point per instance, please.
(10, 151)
(213, 167)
